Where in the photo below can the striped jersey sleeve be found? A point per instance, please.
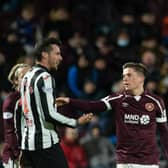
(47, 97)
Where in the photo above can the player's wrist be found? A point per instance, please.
(77, 123)
(68, 100)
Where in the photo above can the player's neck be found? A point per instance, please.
(44, 64)
(138, 91)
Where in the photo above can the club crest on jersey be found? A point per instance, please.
(149, 106)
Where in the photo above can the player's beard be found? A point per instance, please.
(53, 65)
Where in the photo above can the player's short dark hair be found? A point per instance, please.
(45, 46)
(139, 67)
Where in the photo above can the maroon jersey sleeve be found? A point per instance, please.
(161, 113)
(88, 106)
(11, 145)
(111, 100)
(161, 110)
(161, 119)
(103, 104)
(163, 130)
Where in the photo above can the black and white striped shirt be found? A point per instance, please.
(40, 112)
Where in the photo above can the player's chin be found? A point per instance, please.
(126, 88)
(55, 67)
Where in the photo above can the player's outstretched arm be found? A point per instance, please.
(84, 118)
(60, 101)
(83, 105)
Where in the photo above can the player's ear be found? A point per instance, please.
(44, 55)
(142, 78)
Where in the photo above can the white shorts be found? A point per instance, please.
(11, 164)
(129, 165)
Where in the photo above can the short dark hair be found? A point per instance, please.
(45, 46)
(139, 67)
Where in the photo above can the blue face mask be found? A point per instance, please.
(122, 42)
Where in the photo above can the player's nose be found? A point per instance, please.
(60, 57)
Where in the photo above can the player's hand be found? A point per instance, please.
(85, 118)
(60, 101)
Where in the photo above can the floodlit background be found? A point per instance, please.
(98, 36)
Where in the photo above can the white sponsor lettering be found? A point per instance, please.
(136, 119)
(132, 116)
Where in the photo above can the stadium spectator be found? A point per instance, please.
(80, 24)
(74, 152)
(78, 73)
(148, 58)
(98, 148)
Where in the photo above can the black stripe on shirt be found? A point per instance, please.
(38, 130)
(44, 101)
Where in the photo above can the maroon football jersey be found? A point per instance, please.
(136, 123)
(10, 149)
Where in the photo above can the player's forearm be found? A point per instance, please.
(94, 106)
(64, 120)
(163, 129)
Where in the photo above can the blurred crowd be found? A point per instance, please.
(98, 37)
